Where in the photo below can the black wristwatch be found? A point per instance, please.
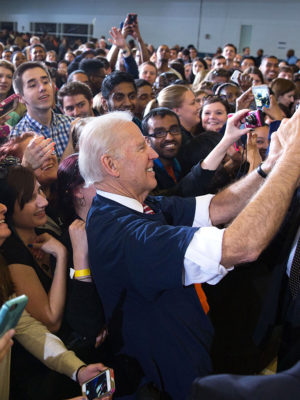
(260, 171)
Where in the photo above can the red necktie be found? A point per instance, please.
(147, 209)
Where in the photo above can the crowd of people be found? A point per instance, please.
(153, 228)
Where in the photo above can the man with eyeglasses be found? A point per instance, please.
(162, 129)
(163, 133)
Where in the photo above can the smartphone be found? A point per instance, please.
(132, 19)
(100, 386)
(11, 312)
(8, 105)
(261, 96)
(235, 76)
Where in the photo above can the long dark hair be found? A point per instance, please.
(68, 179)
(17, 185)
(6, 285)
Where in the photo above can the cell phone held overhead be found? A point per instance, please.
(100, 386)
(129, 20)
(11, 312)
(132, 18)
(261, 96)
(8, 105)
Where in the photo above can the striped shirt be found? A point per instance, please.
(58, 130)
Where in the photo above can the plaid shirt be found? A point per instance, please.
(58, 130)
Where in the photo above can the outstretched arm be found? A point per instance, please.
(118, 41)
(142, 47)
(228, 203)
(256, 225)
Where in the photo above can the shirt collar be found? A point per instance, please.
(125, 201)
(176, 165)
(33, 121)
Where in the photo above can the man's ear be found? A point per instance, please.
(21, 99)
(104, 104)
(110, 165)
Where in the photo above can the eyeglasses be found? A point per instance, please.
(162, 133)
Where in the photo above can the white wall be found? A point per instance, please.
(171, 21)
(272, 22)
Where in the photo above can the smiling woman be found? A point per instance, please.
(214, 113)
(4, 230)
(284, 91)
(37, 263)
(36, 339)
(182, 101)
(6, 74)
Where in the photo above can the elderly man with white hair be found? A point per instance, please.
(147, 252)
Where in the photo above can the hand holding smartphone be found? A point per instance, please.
(11, 312)
(261, 96)
(130, 21)
(99, 387)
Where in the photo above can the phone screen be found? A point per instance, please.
(261, 96)
(98, 386)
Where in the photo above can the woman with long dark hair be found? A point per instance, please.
(33, 335)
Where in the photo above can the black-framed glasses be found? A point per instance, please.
(162, 133)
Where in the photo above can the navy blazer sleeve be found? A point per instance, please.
(282, 386)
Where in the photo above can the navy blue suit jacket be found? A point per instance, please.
(137, 262)
(276, 256)
(282, 386)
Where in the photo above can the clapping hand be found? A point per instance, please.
(37, 152)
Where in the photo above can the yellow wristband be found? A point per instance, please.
(81, 273)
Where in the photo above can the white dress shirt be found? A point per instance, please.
(203, 255)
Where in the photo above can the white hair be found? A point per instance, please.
(98, 137)
(34, 39)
